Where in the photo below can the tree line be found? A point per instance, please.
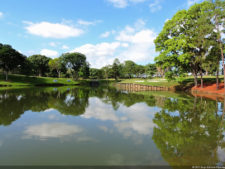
(72, 65)
(192, 41)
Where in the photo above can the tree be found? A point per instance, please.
(74, 61)
(56, 64)
(85, 71)
(107, 71)
(116, 68)
(139, 70)
(96, 73)
(39, 64)
(218, 15)
(10, 59)
(129, 68)
(150, 70)
(184, 41)
(196, 125)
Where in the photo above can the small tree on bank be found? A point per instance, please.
(10, 59)
(74, 61)
(39, 64)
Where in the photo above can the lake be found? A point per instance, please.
(108, 127)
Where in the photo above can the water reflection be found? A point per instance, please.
(53, 130)
(189, 132)
(174, 129)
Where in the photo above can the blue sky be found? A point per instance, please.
(101, 29)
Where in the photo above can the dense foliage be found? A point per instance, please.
(192, 40)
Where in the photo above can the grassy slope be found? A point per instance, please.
(21, 80)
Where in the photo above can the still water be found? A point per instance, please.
(105, 126)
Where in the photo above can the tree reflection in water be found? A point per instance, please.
(188, 130)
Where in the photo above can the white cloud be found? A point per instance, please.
(143, 36)
(65, 47)
(53, 130)
(123, 3)
(119, 3)
(107, 34)
(140, 46)
(155, 6)
(49, 53)
(87, 23)
(192, 2)
(101, 111)
(52, 30)
(1, 14)
(132, 43)
(53, 44)
(99, 54)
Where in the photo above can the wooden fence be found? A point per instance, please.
(140, 87)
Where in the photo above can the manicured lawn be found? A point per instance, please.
(21, 80)
(178, 83)
(151, 82)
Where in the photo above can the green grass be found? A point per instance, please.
(178, 84)
(21, 80)
(151, 82)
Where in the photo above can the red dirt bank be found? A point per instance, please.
(209, 91)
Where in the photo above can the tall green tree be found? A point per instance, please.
(10, 59)
(74, 61)
(218, 15)
(116, 68)
(184, 41)
(39, 64)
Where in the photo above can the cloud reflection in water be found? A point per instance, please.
(52, 130)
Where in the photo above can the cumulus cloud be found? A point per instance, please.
(53, 30)
(100, 111)
(65, 47)
(155, 6)
(1, 14)
(53, 44)
(49, 53)
(99, 54)
(107, 34)
(53, 130)
(131, 43)
(123, 3)
(141, 45)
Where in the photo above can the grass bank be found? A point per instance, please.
(178, 84)
(21, 80)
